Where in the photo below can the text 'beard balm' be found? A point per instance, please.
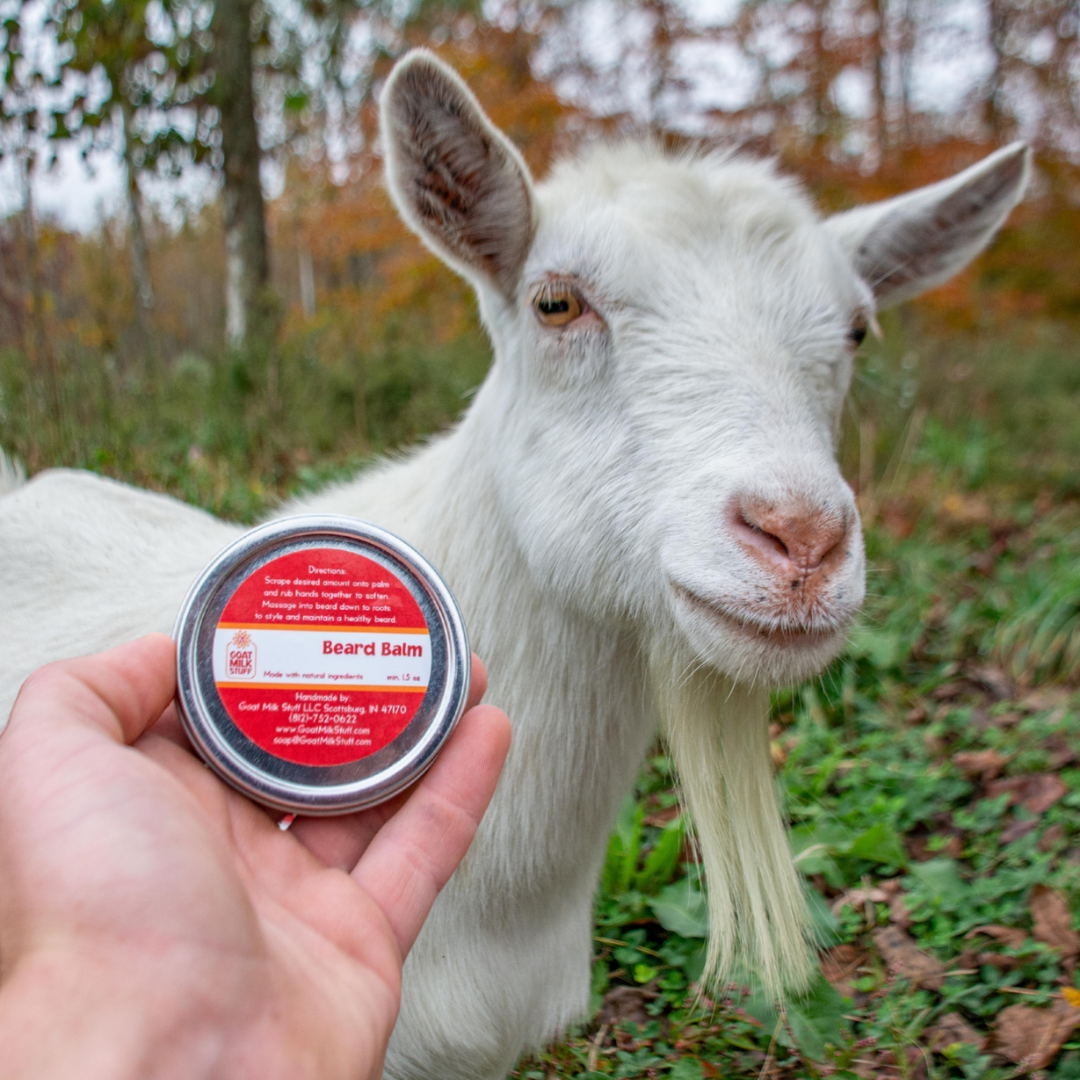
(322, 663)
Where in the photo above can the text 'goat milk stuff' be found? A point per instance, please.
(321, 664)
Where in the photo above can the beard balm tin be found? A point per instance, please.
(322, 663)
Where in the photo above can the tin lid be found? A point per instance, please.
(322, 663)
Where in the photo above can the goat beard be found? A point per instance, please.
(717, 731)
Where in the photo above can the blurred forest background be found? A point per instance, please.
(275, 326)
(328, 332)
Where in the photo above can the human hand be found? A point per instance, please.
(154, 923)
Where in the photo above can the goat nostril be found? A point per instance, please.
(803, 537)
(768, 537)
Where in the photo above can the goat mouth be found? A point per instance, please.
(775, 633)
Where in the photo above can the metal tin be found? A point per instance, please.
(322, 663)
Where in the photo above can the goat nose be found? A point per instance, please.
(792, 536)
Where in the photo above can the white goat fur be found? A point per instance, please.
(573, 510)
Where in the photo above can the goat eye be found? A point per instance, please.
(556, 305)
(857, 333)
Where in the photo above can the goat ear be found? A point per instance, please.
(456, 179)
(904, 246)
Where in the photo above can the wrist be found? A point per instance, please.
(65, 1012)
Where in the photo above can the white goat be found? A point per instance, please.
(641, 515)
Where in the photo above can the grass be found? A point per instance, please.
(236, 433)
(931, 774)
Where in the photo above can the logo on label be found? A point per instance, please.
(240, 656)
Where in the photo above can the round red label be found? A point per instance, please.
(322, 657)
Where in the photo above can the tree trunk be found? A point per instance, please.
(999, 28)
(247, 267)
(44, 359)
(880, 56)
(140, 263)
(907, 36)
(660, 46)
(819, 80)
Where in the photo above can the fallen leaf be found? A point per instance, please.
(1036, 792)
(1051, 837)
(1043, 791)
(898, 912)
(1010, 936)
(905, 958)
(1001, 961)
(986, 764)
(1031, 1037)
(1072, 996)
(951, 1029)
(967, 961)
(660, 818)
(918, 847)
(1062, 751)
(856, 899)
(948, 691)
(1006, 719)
(840, 965)
(1017, 830)
(1052, 921)
(1049, 697)
(993, 679)
(935, 745)
(625, 1003)
(884, 1065)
